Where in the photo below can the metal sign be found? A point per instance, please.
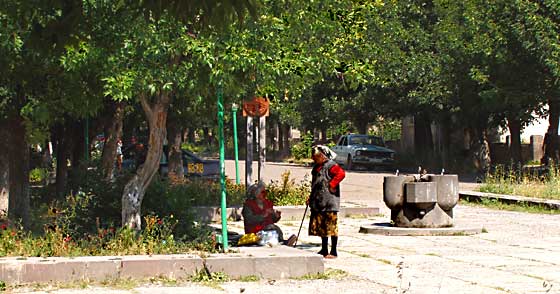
(257, 107)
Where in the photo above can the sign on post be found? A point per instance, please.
(257, 107)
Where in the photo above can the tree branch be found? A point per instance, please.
(145, 105)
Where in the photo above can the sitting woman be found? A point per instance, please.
(258, 213)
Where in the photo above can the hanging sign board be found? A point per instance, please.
(259, 106)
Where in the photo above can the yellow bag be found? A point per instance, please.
(248, 239)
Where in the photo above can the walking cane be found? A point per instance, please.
(304, 213)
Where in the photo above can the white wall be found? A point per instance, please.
(538, 127)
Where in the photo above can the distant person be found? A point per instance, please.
(119, 154)
(324, 201)
(259, 214)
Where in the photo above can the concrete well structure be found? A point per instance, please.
(425, 203)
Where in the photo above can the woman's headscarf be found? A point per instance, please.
(255, 189)
(325, 150)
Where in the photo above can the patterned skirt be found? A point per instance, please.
(323, 224)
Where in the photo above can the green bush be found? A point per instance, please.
(156, 238)
(286, 192)
(302, 150)
(38, 175)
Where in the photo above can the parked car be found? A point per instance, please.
(193, 165)
(364, 150)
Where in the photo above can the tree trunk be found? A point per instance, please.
(18, 204)
(552, 145)
(208, 137)
(77, 143)
(423, 141)
(285, 148)
(76, 147)
(113, 132)
(135, 189)
(61, 160)
(514, 126)
(324, 135)
(191, 135)
(362, 126)
(4, 168)
(175, 160)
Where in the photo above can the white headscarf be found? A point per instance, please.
(325, 150)
(255, 189)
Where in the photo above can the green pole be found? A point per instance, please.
(222, 167)
(234, 108)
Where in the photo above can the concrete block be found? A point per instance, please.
(100, 270)
(233, 266)
(171, 266)
(50, 271)
(421, 192)
(447, 190)
(11, 272)
(393, 190)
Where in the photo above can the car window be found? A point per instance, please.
(340, 141)
(366, 140)
(190, 157)
(344, 141)
(358, 141)
(375, 141)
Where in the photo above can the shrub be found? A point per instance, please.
(38, 175)
(302, 150)
(286, 192)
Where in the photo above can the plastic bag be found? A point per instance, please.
(267, 238)
(248, 239)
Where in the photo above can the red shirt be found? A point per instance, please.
(254, 207)
(336, 173)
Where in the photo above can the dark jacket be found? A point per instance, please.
(321, 198)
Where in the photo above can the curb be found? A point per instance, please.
(513, 199)
(277, 262)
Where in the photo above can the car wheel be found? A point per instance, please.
(349, 163)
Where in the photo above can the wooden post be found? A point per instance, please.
(262, 147)
(256, 108)
(249, 154)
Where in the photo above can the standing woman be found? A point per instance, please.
(324, 200)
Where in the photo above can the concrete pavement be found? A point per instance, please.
(519, 253)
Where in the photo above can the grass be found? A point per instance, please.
(385, 261)
(212, 280)
(335, 274)
(523, 183)
(360, 254)
(250, 278)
